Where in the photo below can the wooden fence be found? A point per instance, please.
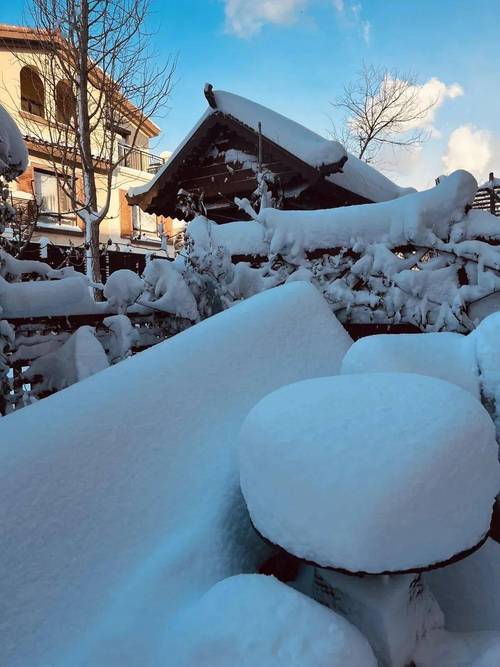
(37, 336)
(488, 197)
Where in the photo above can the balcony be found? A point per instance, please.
(137, 158)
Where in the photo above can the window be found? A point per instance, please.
(32, 92)
(65, 103)
(144, 224)
(54, 203)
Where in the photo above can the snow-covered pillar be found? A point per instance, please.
(394, 612)
(372, 478)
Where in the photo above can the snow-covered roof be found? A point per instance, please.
(13, 151)
(374, 455)
(293, 137)
(313, 149)
(357, 176)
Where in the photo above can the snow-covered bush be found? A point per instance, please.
(425, 259)
(79, 357)
(122, 337)
(122, 289)
(166, 290)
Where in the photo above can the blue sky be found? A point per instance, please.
(295, 55)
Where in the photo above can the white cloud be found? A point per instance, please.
(431, 95)
(366, 31)
(471, 149)
(245, 18)
(350, 14)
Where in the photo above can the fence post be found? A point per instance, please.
(492, 194)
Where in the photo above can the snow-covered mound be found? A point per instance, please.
(375, 472)
(448, 356)
(253, 620)
(120, 495)
(13, 151)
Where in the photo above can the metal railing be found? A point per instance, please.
(137, 158)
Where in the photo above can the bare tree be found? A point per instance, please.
(99, 77)
(381, 107)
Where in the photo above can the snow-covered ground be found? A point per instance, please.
(119, 496)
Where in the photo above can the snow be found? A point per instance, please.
(393, 613)
(13, 151)
(447, 356)
(361, 178)
(373, 455)
(167, 291)
(240, 238)
(412, 218)
(16, 268)
(469, 591)
(485, 341)
(409, 260)
(398, 222)
(78, 358)
(250, 620)
(471, 649)
(487, 185)
(356, 176)
(47, 298)
(122, 337)
(310, 147)
(122, 289)
(119, 496)
(477, 224)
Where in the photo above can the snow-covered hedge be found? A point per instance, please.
(425, 259)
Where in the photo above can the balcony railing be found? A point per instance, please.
(136, 158)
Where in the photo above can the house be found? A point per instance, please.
(128, 233)
(234, 141)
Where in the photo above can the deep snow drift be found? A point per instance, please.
(120, 495)
(373, 473)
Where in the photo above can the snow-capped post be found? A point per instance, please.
(259, 125)
(44, 244)
(372, 479)
(492, 193)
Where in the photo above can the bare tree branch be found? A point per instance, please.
(100, 50)
(381, 107)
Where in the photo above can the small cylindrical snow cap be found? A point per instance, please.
(252, 620)
(380, 472)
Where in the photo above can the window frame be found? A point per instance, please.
(53, 217)
(35, 107)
